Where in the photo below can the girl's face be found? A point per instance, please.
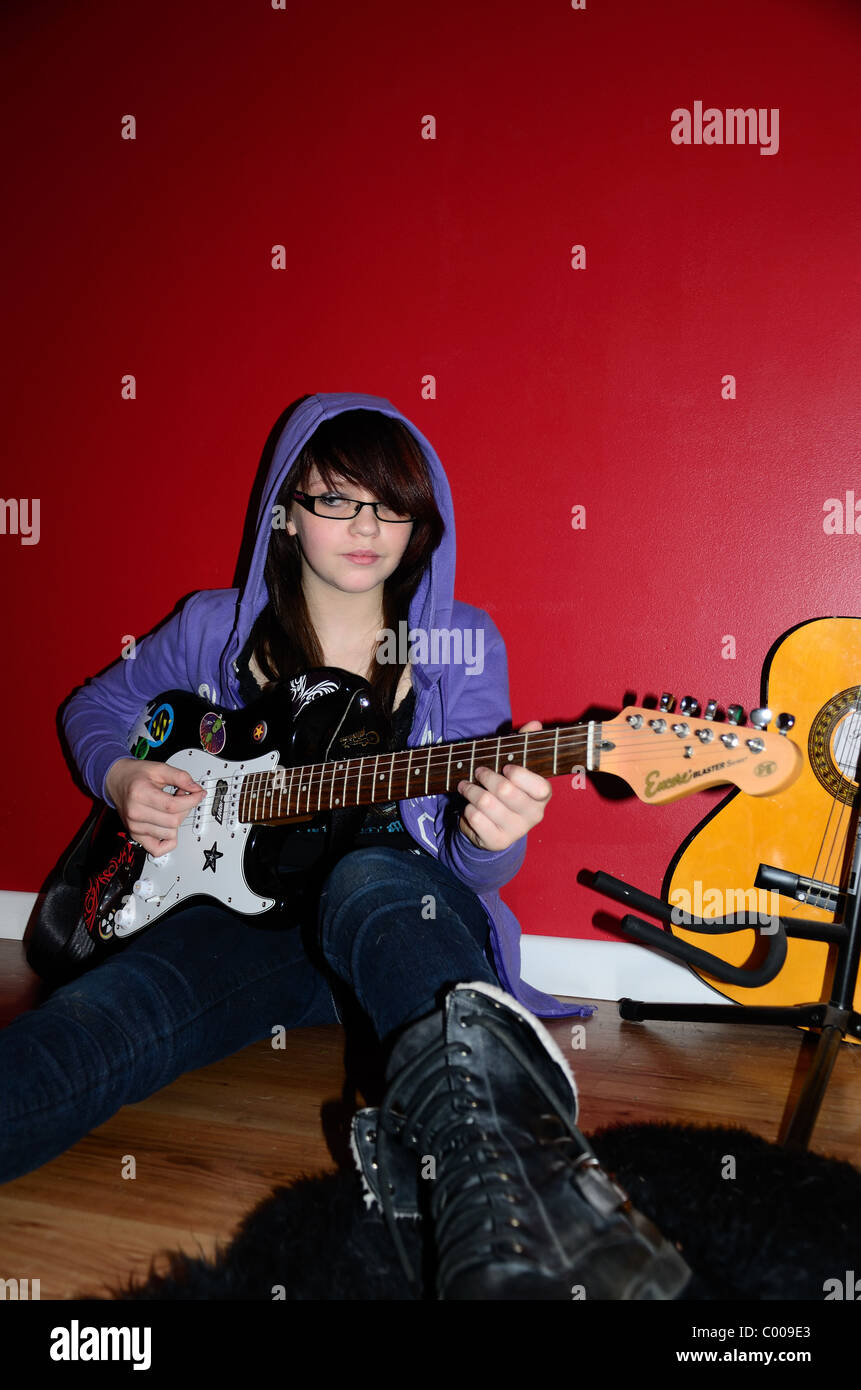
(354, 556)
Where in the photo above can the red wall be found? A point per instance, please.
(449, 257)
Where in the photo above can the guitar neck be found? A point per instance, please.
(276, 797)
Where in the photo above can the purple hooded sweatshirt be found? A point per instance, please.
(197, 650)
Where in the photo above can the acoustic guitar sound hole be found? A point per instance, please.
(834, 744)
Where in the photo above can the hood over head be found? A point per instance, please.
(431, 604)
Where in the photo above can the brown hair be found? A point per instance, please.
(376, 453)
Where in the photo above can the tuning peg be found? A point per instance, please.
(735, 714)
(710, 710)
(667, 702)
(785, 723)
(689, 706)
(760, 718)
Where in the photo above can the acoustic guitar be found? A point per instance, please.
(800, 839)
(314, 749)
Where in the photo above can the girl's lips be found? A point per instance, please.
(361, 559)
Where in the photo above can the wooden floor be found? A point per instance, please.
(209, 1147)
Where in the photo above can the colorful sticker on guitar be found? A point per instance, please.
(141, 748)
(258, 733)
(160, 725)
(213, 734)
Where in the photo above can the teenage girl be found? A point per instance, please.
(355, 536)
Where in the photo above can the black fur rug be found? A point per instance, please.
(778, 1229)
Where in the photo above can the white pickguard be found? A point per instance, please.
(210, 846)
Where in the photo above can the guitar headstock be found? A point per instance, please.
(663, 756)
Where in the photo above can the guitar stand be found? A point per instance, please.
(834, 1019)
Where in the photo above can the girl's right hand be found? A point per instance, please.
(150, 814)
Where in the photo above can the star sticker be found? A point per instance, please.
(210, 856)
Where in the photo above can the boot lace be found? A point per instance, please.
(473, 1196)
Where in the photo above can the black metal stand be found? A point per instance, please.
(834, 1019)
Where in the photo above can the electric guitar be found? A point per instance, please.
(313, 749)
(792, 852)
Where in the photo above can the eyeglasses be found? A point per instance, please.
(339, 508)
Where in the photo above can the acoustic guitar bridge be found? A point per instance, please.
(828, 896)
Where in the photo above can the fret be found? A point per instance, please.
(268, 797)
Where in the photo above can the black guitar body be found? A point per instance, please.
(325, 714)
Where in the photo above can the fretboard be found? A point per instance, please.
(272, 798)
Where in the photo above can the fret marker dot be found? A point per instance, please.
(459, 764)
(510, 758)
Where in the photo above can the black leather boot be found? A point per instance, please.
(481, 1107)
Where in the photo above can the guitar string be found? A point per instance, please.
(844, 813)
(646, 750)
(435, 759)
(541, 741)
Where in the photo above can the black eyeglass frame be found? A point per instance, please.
(307, 500)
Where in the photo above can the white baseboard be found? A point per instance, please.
(571, 966)
(583, 969)
(15, 908)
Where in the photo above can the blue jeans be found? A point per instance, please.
(394, 928)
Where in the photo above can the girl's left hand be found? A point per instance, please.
(503, 806)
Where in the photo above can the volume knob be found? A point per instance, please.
(127, 914)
